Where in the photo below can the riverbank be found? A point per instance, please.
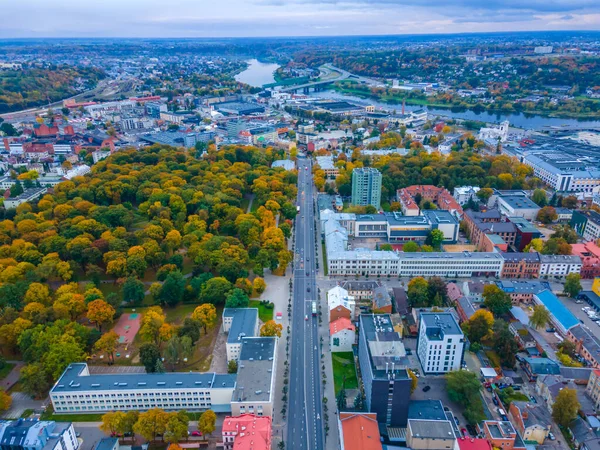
(477, 108)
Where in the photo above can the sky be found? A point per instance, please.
(244, 18)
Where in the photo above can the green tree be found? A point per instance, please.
(437, 287)
(484, 194)
(504, 343)
(411, 247)
(539, 198)
(34, 380)
(435, 238)
(207, 422)
(134, 291)
(463, 387)
(540, 317)
(232, 366)
(237, 299)
(149, 354)
(496, 300)
(177, 427)
(565, 408)
(572, 284)
(215, 290)
(172, 289)
(418, 292)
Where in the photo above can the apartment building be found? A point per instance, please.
(587, 224)
(521, 265)
(246, 432)
(440, 344)
(559, 266)
(438, 196)
(586, 343)
(589, 253)
(327, 165)
(29, 195)
(78, 391)
(383, 365)
(463, 194)
(31, 434)
(366, 187)
(480, 225)
(593, 388)
(238, 323)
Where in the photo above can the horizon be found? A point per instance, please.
(145, 19)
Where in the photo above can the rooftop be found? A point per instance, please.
(440, 324)
(431, 429)
(518, 202)
(426, 409)
(343, 323)
(386, 349)
(243, 324)
(360, 431)
(251, 432)
(255, 370)
(557, 309)
(522, 286)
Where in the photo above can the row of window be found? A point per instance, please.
(132, 395)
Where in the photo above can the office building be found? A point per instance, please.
(463, 194)
(564, 172)
(30, 434)
(238, 323)
(255, 386)
(77, 391)
(440, 343)
(383, 365)
(521, 265)
(559, 266)
(246, 432)
(587, 224)
(366, 187)
(517, 206)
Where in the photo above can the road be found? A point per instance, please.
(305, 411)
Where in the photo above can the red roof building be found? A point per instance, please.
(43, 130)
(439, 196)
(473, 444)
(247, 432)
(590, 258)
(359, 431)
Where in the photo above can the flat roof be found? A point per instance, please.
(431, 429)
(426, 409)
(384, 345)
(518, 202)
(445, 322)
(255, 370)
(243, 323)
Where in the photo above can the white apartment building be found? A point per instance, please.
(463, 194)
(6, 183)
(340, 304)
(561, 179)
(559, 266)
(32, 434)
(78, 391)
(238, 323)
(440, 343)
(327, 165)
(27, 196)
(449, 264)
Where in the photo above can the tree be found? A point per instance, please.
(35, 380)
(540, 317)
(418, 291)
(435, 238)
(535, 244)
(177, 349)
(572, 284)
(5, 401)
(565, 408)
(568, 348)
(128, 422)
(205, 315)
(215, 290)
(177, 427)
(207, 422)
(463, 387)
(259, 285)
(496, 300)
(410, 247)
(484, 194)
(569, 202)
(437, 290)
(479, 326)
(153, 327)
(271, 328)
(237, 299)
(232, 366)
(505, 344)
(190, 328)
(172, 289)
(539, 198)
(150, 423)
(108, 344)
(134, 291)
(100, 313)
(556, 246)
(149, 355)
(112, 422)
(414, 381)
(547, 215)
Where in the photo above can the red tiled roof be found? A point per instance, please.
(343, 323)
(251, 432)
(474, 444)
(360, 431)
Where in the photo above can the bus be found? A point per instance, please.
(314, 308)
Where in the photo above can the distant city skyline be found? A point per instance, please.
(266, 18)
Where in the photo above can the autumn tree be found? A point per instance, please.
(100, 313)
(259, 285)
(5, 401)
(111, 422)
(177, 427)
(271, 328)
(479, 326)
(496, 300)
(547, 215)
(418, 292)
(151, 423)
(154, 327)
(207, 422)
(565, 407)
(206, 316)
(108, 343)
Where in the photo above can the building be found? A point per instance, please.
(108, 443)
(77, 391)
(449, 264)
(359, 431)
(238, 323)
(401, 300)
(473, 290)
(30, 434)
(342, 334)
(522, 291)
(495, 134)
(587, 224)
(467, 443)
(327, 165)
(430, 434)
(586, 343)
(286, 164)
(463, 194)
(521, 265)
(246, 432)
(440, 345)
(382, 301)
(480, 225)
(464, 308)
(559, 266)
(532, 421)
(517, 206)
(522, 335)
(366, 187)
(361, 290)
(560, 316)
(589, 253)
(340, 304)
(239, 108)
(28, 195)
(502, 434)
(593, 388)
(383, 365)
(255, 385)
(525, 232)
(410, 196)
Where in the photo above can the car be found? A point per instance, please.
(464, 432)
(532, 399)
(426, 388)
(78, 434)
(516, 388)
(551, 436)
(579, 302)
(581, 320)
(305, 316)
(308, 289)
(551, 330)
(196, 433)
(495, 400)
(307, 274)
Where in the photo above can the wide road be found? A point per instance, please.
(305, 412)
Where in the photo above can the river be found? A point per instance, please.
(520, 120)
(258, 73)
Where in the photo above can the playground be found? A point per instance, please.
(126, 327)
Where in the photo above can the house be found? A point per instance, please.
(548, 387)
(522, 335)
(586, 343)
(430, 434)
(522, 291)
(534, 367)
(382, 302)
(342, 334)
(531, 420)
(361, 290)
(340, 304)
(593, 388)
(359, 431)
(453, 291)
(502, 434)
(246, 432)
(464, 308)
(473, 290)
(401, 300)
(30, 434)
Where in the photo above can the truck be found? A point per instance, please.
(314, 308)
(298, 209)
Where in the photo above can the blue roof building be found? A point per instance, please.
(561, 317)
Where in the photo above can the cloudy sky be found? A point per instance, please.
(239, 18)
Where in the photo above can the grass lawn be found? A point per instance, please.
(175, 316)
(264, 314)
(325, 271)
(493, 357)
(343, 366)
(6, 370)
(49, 415)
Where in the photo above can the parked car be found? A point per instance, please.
(517, 388)
(426, 388)
(551, 330)
(196, 433)
(551, 436)
(495, 400)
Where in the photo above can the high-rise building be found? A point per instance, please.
(366, 187)
(441, 343)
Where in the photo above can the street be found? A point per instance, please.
(305, 416)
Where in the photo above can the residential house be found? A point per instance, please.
(473, 290)
(593, 388)
(522, 291)
(382, 301)
(522, 335)
(359, 431)
(430, 434)
(533, 421)
(246, 432)
(342, 334)
(502, 434)
(589, 253)
(340, 304)
(586, 343)
(401, 300)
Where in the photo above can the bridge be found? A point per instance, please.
(328, 70)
